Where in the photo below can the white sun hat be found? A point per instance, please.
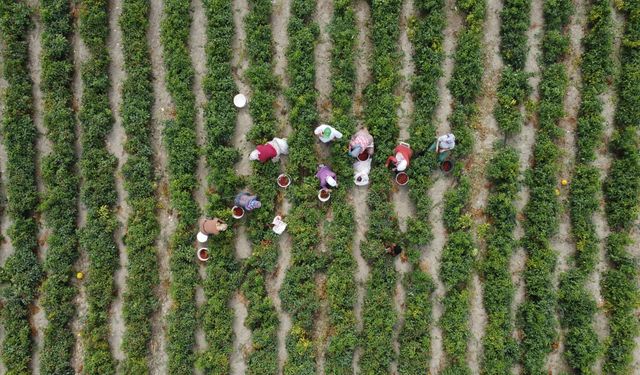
(240, 100)
(202, 237)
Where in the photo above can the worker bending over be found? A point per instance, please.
(247, 201)
(360, 142)
(326, 176)
(402, 157)
(210, 227)
(443, 146)
(327, 133)
(270, 150)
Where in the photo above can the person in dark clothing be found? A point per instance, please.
(394, 249)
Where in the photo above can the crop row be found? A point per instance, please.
(458, 255)
(341, 285)
(536, 316)
(262, 318)
(98, 191)
(220, 120)
(180, 141)
(60, 201)
(379, 315)
(622, 194)
(500, 348)
(140, 301)
(300, 296)
(577, 305)
(21, 272)
(427, 37)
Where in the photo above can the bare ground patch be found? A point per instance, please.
(163, 110)
(324, 13)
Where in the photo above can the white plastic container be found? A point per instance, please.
(240, 101)
(324, 199)
(234, 214)
(203, 254)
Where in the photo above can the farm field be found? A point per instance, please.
(118, 134)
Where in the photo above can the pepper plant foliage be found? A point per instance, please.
(60, 201)
(182, 152)
(21, 272)
(622, 195)
(536, 315)
(140, 301)
(426, 32)
(98, 192)
(577, 306)
(458, 255)
(220, 118)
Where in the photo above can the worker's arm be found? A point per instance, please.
(390, 159)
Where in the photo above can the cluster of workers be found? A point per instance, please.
(361, 147)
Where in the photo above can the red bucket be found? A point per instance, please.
(446, 166)
(364, 156)
(203, 254)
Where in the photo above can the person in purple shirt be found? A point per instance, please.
(326, 176)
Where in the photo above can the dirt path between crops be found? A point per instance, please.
(523, 142)
(358, 196)
(197, 42)
(487, 133)
(43, 147)
(80, 55)
(404, 207)
(5, 243)
(163, 109)
(322, 56)
(430, 260)
(115, 143)
(563, 241)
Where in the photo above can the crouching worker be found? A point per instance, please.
(326, 176)
(443, 146)
(393, 249)
(327, 133)
(247, 201)
(402, 157)
(270, 150)
(360, 142)
(210, 227)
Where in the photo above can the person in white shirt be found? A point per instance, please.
(327, 133)
(443, 145)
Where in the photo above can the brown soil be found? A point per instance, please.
(162, 110)
(242, 335)
(324, 13)
(80, 55)
(197, 41)
(363, 55)
(115, 142)
(523, 142)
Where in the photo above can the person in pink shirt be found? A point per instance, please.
(361, 141)
(326, 176)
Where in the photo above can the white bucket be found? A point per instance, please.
(233, 212)
(320, 195)
(240, 101)
(288, 180)
(203, 254)
(202, 237)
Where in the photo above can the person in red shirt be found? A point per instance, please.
(270, 150)
(402, 157)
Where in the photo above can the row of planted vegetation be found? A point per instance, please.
(301, 293)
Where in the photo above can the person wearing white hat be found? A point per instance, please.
(326, 176)
(210, 227)
(327, 133)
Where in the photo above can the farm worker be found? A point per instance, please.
(327, 133)
(270, 150)
(210, 227)
(277, 225)
(326, 176)
(247, 201)
(361, 171)
(443, 145)
(394, 249)
(360, 142)
(402, 157)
